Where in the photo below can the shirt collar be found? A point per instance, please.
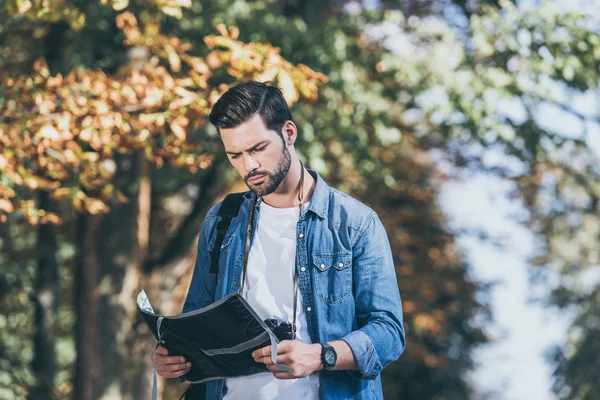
(319, 202)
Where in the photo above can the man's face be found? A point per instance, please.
(258, 154)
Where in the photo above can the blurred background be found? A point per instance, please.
(471, 126)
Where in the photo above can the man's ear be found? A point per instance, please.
(289, 132)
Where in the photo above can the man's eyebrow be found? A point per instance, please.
(257, 145)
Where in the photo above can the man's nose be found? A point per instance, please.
(250, 164)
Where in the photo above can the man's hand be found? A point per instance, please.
(169, 366)
(302, 358)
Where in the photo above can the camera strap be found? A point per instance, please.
(247, 246)
(296, 283)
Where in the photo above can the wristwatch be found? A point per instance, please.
(328, 356)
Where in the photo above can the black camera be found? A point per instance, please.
(284, 330)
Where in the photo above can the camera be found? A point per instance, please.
(284, 330)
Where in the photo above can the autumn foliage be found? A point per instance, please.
(60, 133)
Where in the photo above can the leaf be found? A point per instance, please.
(60, 193)
(174, 12)
(48, 132)
(25, 6)
(3, 162)
(174, 60)
(50, 218)
(288, 88)
(120, 5)
(178, 127)
(6, 206)
(95, 206)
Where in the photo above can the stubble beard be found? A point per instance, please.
(272, 179)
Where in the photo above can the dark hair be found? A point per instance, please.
(243, 101)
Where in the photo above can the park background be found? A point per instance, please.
(471, 126)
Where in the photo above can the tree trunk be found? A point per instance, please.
(113, 343)
(108, 275)
(166, 281)
(46, 307)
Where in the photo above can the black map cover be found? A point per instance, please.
(218, 340)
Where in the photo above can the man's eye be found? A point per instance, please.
(261, 148)
(235, 156)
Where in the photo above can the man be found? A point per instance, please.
(348, 317)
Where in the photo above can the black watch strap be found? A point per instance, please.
(328, 356)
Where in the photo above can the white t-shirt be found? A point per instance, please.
(269, 289)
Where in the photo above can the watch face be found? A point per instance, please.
(330, 357)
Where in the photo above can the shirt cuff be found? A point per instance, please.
(365, 355)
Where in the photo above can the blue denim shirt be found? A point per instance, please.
(347, 280)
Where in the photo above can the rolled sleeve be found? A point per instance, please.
(365, 355)
(380, 337)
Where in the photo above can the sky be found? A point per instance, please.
(515, 365)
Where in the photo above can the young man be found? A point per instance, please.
(309, 242)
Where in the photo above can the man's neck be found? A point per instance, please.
(286, 194)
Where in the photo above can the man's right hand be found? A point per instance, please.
(169, 366)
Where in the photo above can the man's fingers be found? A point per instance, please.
(263, 352)
(169, 366)
(173, 374)
(176, 367)
(170, 359)
(284, 359)
(272, 368)
(281, 359)
(160, 359)
(283, 347)
(280, 374)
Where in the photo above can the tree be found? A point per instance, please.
(92, 137)
(368, 132)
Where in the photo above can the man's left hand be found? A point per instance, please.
(302, 358)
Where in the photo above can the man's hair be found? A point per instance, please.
(243, 101)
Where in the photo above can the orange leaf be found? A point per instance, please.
(178, 127)
(6, 206)
(95, 206)
(60, 193)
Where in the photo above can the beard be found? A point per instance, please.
(272, 178)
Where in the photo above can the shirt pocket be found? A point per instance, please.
(332, 276)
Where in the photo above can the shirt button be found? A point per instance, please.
(235, 283)
(322, 266)
(302, 269)
(340, 265)
(301, 235)
(309, 309)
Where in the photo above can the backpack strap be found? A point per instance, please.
(229, 209)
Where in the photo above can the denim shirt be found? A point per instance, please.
(347, 281)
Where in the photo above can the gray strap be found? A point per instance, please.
(296, 283)
(281, 367)
(247, 243)
(160, 341)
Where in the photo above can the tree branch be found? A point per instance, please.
(180, 242)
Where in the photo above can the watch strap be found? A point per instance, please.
(324, 348)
